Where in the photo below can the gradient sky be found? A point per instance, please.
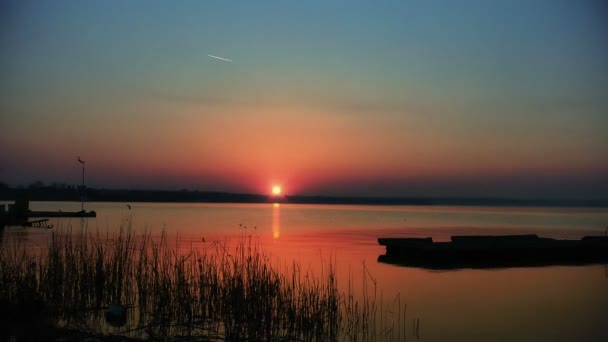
(468, 98)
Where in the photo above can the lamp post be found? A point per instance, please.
(82, 187)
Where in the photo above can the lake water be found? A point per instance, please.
(555, 303)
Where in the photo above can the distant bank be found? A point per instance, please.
(71, 193)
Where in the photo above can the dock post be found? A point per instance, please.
(82, 187)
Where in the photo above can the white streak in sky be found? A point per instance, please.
(220, 58)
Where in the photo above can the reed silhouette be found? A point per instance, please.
(221, 292)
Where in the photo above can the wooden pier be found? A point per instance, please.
(19, 214)
(494, 251)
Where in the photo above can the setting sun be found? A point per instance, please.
(276, 190)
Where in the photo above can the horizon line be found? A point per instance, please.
(54, 193)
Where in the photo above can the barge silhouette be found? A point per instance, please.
(494, 251)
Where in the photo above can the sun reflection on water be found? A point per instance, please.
(276, 220)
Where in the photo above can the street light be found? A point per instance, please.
(82, 187)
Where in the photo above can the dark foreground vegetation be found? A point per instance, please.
(142, 287)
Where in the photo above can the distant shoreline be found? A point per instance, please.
(70, 193)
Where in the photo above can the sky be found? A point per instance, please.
(365, 98)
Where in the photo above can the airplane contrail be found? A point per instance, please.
(220, 58)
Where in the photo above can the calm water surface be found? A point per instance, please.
(514, 304)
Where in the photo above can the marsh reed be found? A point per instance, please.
(224, 291)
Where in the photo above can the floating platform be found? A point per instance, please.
(18, 214)
(61, 214)
(494, 251)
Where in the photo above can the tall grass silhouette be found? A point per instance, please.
(221, 292)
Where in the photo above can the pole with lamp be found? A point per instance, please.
(82, 187)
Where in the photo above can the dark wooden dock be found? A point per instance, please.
(494, 251)
(32, 214)
(19, 214)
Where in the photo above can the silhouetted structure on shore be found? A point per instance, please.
(19, 213)
(494, 251)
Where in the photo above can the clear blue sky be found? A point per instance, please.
(496, 98)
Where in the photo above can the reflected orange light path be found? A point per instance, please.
(276, 220)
